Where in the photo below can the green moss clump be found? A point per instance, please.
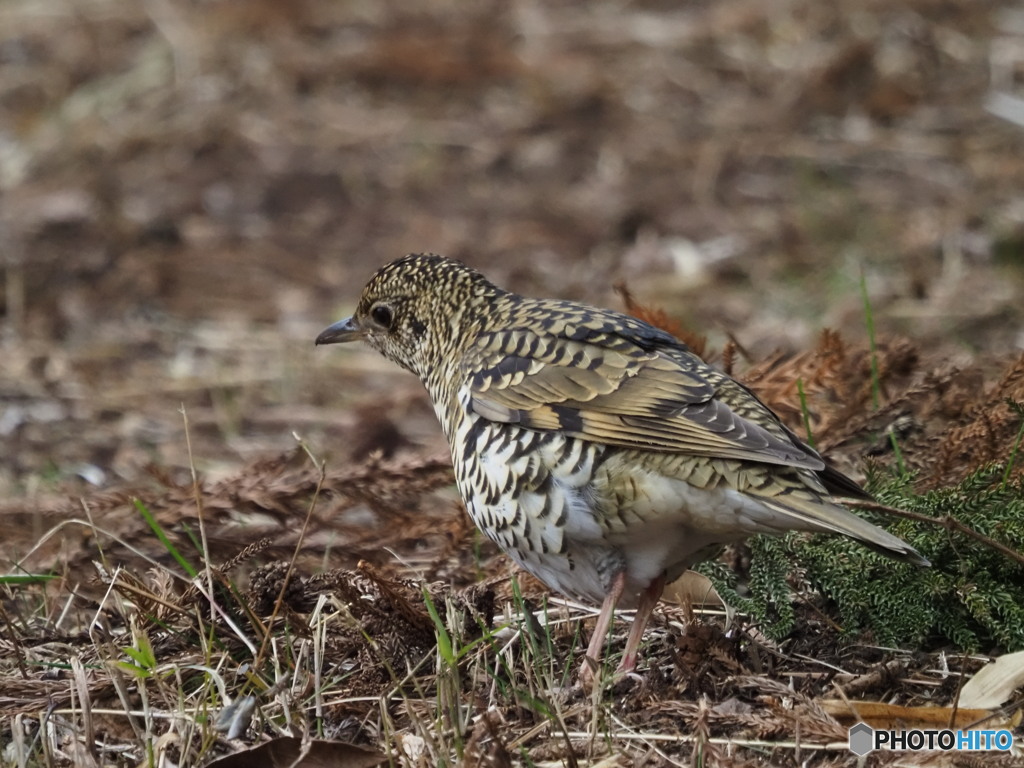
(972, 597)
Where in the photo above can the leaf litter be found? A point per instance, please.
(350, 652)
(171, 225)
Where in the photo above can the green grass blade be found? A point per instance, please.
(155, 526)
(805, 413)
(21, 579)
(444, 640)
(900, 466)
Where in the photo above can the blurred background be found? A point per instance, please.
(190, 191)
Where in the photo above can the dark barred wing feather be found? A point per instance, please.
(609, 388)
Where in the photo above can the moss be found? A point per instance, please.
(971, 598)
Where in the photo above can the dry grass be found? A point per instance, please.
(166, 639)
(189, 191)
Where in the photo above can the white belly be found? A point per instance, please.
(558, 509)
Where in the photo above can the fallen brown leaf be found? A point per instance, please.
(297, 753)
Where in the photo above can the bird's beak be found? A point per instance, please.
(342, 331)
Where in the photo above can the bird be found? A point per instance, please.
(597, 451)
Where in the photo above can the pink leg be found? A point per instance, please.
(648, 599)
(604, 619)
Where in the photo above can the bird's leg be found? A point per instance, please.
(648, 599)
(604, 619)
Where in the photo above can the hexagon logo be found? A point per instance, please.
(861, 739)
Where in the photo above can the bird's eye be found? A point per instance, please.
(382, 315)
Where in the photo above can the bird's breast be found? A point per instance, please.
(575, 512)
(531, 493)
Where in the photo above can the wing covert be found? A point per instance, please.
(612, 390)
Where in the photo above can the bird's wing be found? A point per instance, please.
(612, 389)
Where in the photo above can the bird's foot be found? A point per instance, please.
(590, 672)
(627, 665)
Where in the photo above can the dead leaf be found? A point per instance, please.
(692, 588)
(895, 717)
(994, 683)
(290, 752)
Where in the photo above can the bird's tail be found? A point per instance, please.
(827, 517)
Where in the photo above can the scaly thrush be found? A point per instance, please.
(596, 450)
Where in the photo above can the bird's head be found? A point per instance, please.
(417, 311)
